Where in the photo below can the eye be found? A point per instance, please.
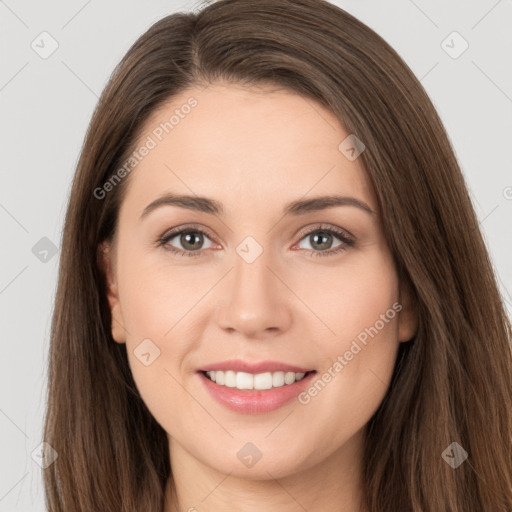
(190, 238)
(322, 238)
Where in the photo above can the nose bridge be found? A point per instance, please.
(251, 276)
(256, 300)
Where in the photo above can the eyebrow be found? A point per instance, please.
(295, 208)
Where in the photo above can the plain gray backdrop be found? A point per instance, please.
(56, 59)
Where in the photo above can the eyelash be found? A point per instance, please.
(343, 236)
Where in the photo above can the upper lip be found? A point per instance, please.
(238, 365)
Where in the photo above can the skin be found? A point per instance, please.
(255, 150)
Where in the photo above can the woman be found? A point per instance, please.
(203, 357)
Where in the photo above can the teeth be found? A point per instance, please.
(260, 381)
(277, 379)
(230, 379)
(244, 380)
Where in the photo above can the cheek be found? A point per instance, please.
(153, 298)
(350, 296)
(156, 353)
(368, 328)
(361, 308)
(152, 305)
(351, 386)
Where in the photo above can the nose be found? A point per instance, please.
(258, 305)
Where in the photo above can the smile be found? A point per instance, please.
(250, 393)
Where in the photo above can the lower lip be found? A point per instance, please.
(252, 401)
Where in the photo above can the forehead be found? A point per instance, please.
(245, 145)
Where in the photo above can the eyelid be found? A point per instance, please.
(323, 226)
(176, 230)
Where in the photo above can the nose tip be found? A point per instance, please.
(257, 302)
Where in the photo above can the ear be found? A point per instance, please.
(105, 261)
(408, 316)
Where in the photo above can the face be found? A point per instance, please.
(263, 291)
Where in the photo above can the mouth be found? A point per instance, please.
(260, 388)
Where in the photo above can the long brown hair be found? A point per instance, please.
(452, 382)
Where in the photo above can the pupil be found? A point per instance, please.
(187, 236)
(322, 236)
